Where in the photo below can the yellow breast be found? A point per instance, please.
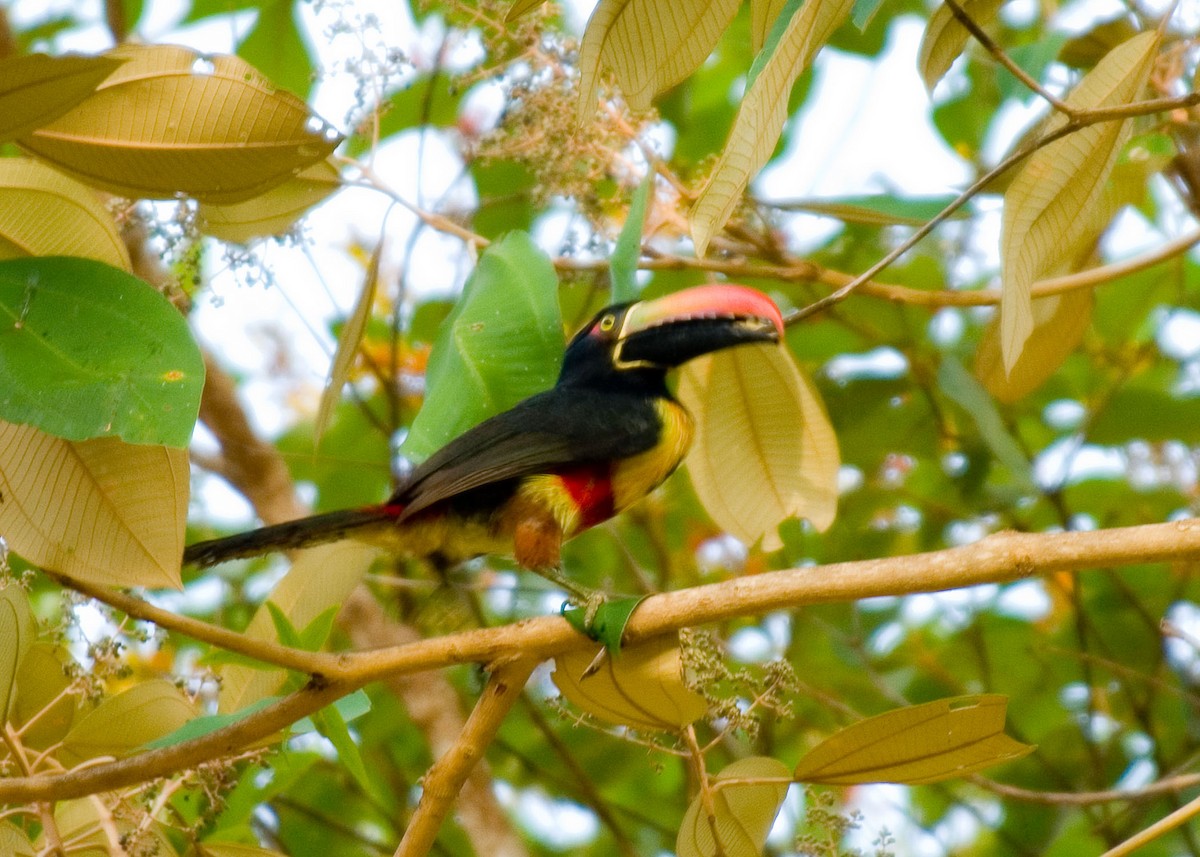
(636, 477)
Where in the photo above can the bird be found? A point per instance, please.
(522, 482)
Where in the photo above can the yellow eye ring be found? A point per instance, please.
(607, 323)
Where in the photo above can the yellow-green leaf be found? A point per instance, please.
(320, 577)
(45, 213)
(1059, 323)
(347, 347)
(945, 37)
(99, 510)
(649, 45)
(17, 629)
(169, 121)
(642, 687)
(520, 8)
(917, 744)
(764, 109)
(1046, 205)
(763, 14)
(42, 682)
(757, 416)
(123, 723)
(273, 212)
(14, 842)
(742, 813)
(36, 89)
(233, 849)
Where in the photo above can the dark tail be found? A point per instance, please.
(301, 533)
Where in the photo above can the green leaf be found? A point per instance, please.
(276, 48)
(608, 625)
(962, 387)
(200, 726)
(864, 11)
(349, 708)
(331, 725)
(502, 343)
(624, 263)
(1138, 413)
(917, 744)
(91, 351)
(877, 209)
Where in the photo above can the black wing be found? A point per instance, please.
(544, 432)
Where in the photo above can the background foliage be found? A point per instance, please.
(1072, 408)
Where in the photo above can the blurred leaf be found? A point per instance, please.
(17, 631)
(945, 37)
(127, 721)
(44, 213)
(624, 263)
(198, 727)
(169, 121)
(764, 450)
(864, 12)
(321, 577)
(800, 31)
(276, 47)
(1089, 47)
(42, 683)
(14, 842)
(643, 687)
(1139, 413)
(763, 15)
(36, 89)
(1033, 58)
(962, 388)
(347, 346)
(234, 849)
(520, 8)
(744, 813)
(273, 212)
(650, 46)
(502, 343)
(1044, 206)
(93, 351)
(917, 744)
(876, 209)
(1059, 323)
(332, 726)
(98, 510)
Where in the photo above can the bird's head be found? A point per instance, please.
(646, 338)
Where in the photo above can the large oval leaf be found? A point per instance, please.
(1047, 205)
(125, 722)
(648, 44)
(918, 744)
(36, 89)
(273, 212)
(169, 121)
(45, 213)
(502, 342)
(99, 510)
(743, 813)
(764, 450)
(642, 687)
(800, 30)
(92, 351)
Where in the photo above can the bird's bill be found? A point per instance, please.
(673, 329)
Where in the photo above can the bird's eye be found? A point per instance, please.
(608, 323)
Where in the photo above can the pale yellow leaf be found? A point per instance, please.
(743, 813)
(649, 45)
(45, 213)
(99, 510)
(520, 8)
(945, 37)
(123, 723)
(917, 744)
(757, 416)
(85, 822)
(273, 212)
(1059, 323)
(41, 684)
(320, 577)
(764, 110)
(170, 121)
(642, 687)
(36, 89)
(17, 629)
(1046, 206)
(13, 842)
(347, 347)
(762, 18)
